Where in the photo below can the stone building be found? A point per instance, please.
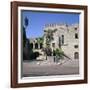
(34, 44)
(65, 37)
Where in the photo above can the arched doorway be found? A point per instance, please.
(31, 45)
(36, 45)
(76, 55)
(41, 45)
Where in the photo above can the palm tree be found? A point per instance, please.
(40, 40)
(49, 37)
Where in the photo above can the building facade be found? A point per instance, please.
(65, 37)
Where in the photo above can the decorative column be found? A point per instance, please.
(38, 45)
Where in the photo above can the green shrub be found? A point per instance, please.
(59, 53)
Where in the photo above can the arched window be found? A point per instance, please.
(75, 28)
(36, 45)
(76, 55)
(75, 46)
(53, 45)
(41, 45)
(76, 36)
(59, 42)
(62, 39)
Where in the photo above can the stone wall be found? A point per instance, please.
(70, 33)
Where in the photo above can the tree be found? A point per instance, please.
(24, 30)
(24, 37)
(49, 37)
(40, 40)
(26, 45)
(59, 52)
(26, 21)
(47, 51)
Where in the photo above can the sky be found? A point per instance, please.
(37, 20)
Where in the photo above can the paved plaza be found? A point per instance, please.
(48, 67)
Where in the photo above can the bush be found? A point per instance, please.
(59, 53)
(33, 55)
(36, 54)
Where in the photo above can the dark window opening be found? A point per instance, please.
(76, 55)
(59, 42)
(53, 44)
(75, 28)
(76, 36)
(41, 45)
(75, 46)
(36, 46)
(62, 39)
